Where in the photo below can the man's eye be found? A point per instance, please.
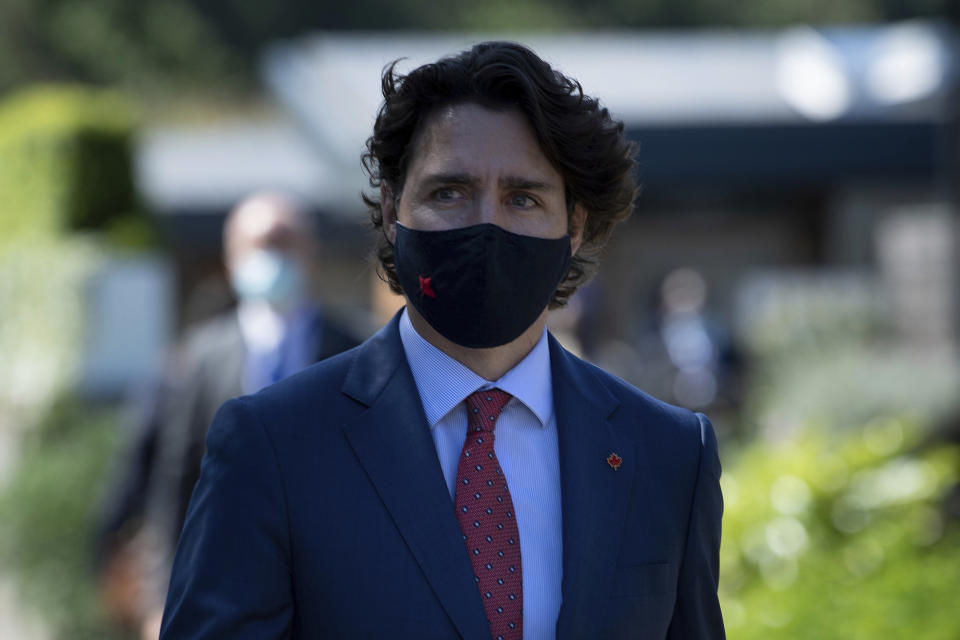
(522, 201)
(446, 193)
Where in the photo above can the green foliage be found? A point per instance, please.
(154, 43)
(67, 161)
(211, 45)
(698, 13)
(45, 518)
(42, 287)
(841, 536)
(833, 525)
(509, 16)
(65, 165)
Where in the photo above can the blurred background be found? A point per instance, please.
(793, 269)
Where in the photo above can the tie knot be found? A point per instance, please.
(484, 407)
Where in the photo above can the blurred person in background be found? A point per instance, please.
(682, 351)
(695, 342)
(277, 329)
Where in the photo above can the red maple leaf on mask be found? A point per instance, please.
(614, 461)
(426, 289)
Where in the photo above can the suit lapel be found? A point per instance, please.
(391, 439)
(595, 496)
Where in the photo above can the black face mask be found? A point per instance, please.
(479, 286)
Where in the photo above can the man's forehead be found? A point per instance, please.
(460, 139)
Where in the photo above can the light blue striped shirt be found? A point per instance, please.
(526, 447)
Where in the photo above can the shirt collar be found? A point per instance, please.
(443, 382)
(263, 328)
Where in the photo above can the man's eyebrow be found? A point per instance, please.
(526, 184)
(506, 182)
(449, 178)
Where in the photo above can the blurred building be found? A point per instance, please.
(759, 151)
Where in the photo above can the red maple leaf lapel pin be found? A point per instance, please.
(426, 288)
(614, 461)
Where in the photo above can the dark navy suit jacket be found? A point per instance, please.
(321, 511)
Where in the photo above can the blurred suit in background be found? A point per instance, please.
(277, 328)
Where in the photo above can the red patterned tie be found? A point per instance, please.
(487, 518)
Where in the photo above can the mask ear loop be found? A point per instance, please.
(396, 207)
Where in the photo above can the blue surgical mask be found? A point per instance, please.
(268, 276)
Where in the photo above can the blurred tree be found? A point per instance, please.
(708, 13)
(154, 43)
(212, 44)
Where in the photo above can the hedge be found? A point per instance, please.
(66, 161)
(842, 535)
(46, 519)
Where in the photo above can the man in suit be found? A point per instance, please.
(276, 329)
(460, 475)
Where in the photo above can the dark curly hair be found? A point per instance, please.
(586, 146)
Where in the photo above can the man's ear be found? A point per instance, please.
(578, 218)
(388, 210)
